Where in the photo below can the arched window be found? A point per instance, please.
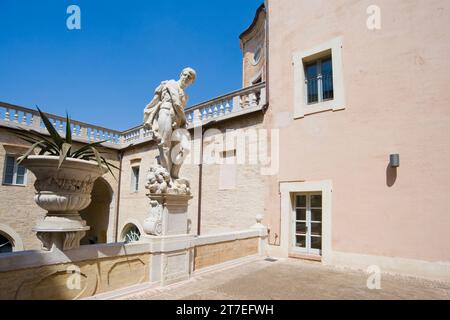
(131, 233)
(9, 239)
(5, 244)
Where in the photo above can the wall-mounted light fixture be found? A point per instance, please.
(394, 161)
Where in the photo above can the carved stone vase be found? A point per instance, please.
(62, 193)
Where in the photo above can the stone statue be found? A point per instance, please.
(169, 195)
(165, 114)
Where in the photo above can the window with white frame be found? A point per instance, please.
(14, 174)
(135, 178)
(318, 79)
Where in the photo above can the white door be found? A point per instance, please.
(307, 223)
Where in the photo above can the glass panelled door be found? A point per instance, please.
(307, 223)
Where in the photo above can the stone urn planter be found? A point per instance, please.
(62, 193)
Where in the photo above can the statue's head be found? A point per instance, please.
(187, 77)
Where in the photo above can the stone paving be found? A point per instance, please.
(294, 280)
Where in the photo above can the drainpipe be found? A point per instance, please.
(267, 40)
(118, 196)
(200, 180)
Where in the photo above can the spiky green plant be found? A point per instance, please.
(55, 145)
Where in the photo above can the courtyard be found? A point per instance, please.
(291, 279)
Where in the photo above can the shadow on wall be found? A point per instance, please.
(391, 176)
(97, 214)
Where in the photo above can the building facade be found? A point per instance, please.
(351, 84)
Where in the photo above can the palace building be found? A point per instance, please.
(334, 150)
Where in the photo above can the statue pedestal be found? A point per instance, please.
(166, 230)
(167, 215)
(172, 258)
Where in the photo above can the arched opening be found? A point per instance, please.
(6, 244)
(98, 213)
(130, 233)
(10, 241)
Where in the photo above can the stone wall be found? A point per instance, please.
(97, 270)
(232, 196)
(18, 210)
(217, 253)
(53, 275)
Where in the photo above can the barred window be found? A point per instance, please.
(319, 80)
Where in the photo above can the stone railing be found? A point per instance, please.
(231, 105)
(113, 270)
(23, 118)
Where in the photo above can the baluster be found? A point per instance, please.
(210, 112)
(252, 100)
(74, 130)
(7, 114)
(244, 102)
(24, 119)
(61, 126)
(98, 135)
(16, 116)
(222, 108)
(82, 133)
(228, 107)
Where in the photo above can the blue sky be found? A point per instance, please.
(106, 72)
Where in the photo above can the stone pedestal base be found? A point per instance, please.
(166, 227)
(172, 258)
(167, 215)
(61, 230)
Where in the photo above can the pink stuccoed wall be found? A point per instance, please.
(397, 91)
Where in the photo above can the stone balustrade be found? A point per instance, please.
(230, 105)
(234, 104)
(23, 118)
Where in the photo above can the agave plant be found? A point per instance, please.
(55, 145)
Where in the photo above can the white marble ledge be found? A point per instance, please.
(229, 236)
